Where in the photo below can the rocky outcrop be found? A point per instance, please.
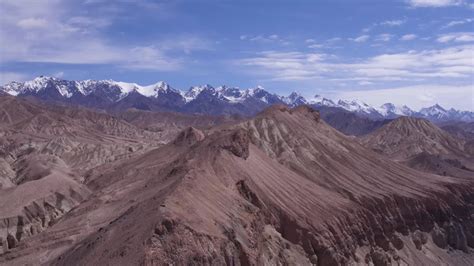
(237, 142)
(189, 136)
(36, 217)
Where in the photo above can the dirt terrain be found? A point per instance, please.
(45, 152)
(280, 188)
(422, 145)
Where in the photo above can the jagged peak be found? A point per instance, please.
(294, 94)
(117, 90)
(433, 107)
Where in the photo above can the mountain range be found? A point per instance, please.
(206, 99)
(84, 187)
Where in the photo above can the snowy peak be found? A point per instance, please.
(356, 106)
(259, 93)
(438, 113)
(391, 110)
(435, 112)
(42, 84)
(156, 89)
(39, 83)
(195, 91)
(230, 94)
(295, 99)
(318, 100)
(32, 86)
(114, 90)
(153, 90)
(104, 93)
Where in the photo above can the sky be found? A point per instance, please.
(414, 52)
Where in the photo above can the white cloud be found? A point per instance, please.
(362, 38)
(385, 37)
(264, 38)
(316, 46)
(456, 37)
(273, 37)
(185, 43)
(54, 32)
(390, 23)
(453, 62)
(150, 58)
(434, 3)
(408, 37)
(285, 65)
(458, 22)
(32, 23)
(393, 22)
(365, 82)
(328, 43)
(449, 63)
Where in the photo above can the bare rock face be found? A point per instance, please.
(189, 136)
(439, 237)
(35, 213)
(379, 257)
(237, 142)
(457, 236)
(419, 239)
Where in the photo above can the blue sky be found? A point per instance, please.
(417, 52)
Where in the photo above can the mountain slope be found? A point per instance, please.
(45, 151)
(422, 145)
(281, 188)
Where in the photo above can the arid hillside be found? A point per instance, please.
(46, 152)
(422, 145)
(280, 188)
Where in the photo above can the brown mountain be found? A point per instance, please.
(281, 188)
(46, 151)
(422, 145)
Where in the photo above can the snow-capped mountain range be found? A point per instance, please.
(109, 94)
